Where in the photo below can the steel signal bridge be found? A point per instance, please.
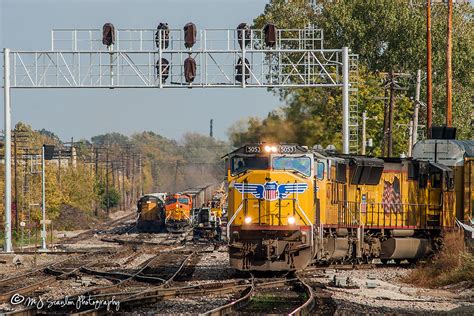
(78, 59)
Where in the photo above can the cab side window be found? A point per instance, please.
(320, 171)
(435, 180)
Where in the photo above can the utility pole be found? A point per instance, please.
(107, 179)
(141, 173)
(364, 135)
(15, 138)
(210, 129)
(59, 168)
(132, 193)
(113, 173)
(25, 181)
(123, 184)
(385, 122)
(390, 114)
(96, 173)
(429, 93)
(43, 204)
(176, 176)
(127, 174)
(410, 138)
(417, 107)
(449, 67)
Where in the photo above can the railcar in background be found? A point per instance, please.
(206, 225)
(207, 220)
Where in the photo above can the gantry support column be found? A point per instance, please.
(8, 162)
(345, 100)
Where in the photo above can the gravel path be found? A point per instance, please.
(390, 294)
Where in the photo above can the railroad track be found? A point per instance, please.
(104, 226)
(161, 239)
(27, 283)
(162, 269)
(291, 296)
(243, 293)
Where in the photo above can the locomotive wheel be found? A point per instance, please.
(384, 261)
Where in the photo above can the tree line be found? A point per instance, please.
(390, 37)
(86, 179)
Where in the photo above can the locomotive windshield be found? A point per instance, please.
(171, 201)
(301, 164)
(183, 200)
(239, 164)
(179, 200)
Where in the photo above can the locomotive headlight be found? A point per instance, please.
(291, 220)
(248, 220)
(271, 149)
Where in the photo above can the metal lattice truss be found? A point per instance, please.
(79, 60)
(142, 58)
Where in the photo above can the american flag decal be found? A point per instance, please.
(391, 199)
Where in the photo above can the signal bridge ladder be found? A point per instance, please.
(353, 104)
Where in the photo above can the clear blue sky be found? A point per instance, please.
(26, 25)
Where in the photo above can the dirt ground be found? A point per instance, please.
(381, 291)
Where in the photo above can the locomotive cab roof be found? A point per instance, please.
(268, 148)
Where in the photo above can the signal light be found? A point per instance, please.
(108, 34)
(248, 220)
(190, 32)
(189, 69)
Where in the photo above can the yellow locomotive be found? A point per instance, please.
(151, 212)
(289, 206)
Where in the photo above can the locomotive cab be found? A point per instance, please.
(151, 213)
(178, 212)
(271, 208)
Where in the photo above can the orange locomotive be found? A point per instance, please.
(178, 212)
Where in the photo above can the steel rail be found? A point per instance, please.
(232, 306)
(32, 287)
(138, 276)
(308, 305)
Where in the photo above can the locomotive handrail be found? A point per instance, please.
(309, 221)
(233, 218)
(418, 214)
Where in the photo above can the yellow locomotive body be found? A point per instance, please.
(289, 206)
(151, 212)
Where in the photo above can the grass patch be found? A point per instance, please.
(453, 264)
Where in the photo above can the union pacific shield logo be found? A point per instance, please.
(271, 190)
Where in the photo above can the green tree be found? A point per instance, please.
(388, 35)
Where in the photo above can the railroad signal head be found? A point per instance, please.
(108, 34)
